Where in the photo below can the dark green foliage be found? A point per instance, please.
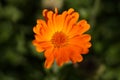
(20, 61)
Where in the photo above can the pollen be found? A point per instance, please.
(59, 39)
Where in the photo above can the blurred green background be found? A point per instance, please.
(20, 61)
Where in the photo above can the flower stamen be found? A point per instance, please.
(59, 39)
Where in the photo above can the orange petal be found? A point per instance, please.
(49, 52)
(42, 23)
(49, 61)
(85, 37)
(85, 50)
(73, 20)
(79, 29)
(67, 18)
(83, 45)
(75, 49)
(49, 15)
(40, 28)
(58, 56)
(65, 53)
(54, 22)
(59, 23)
(74, 31)
(35, 30)
(39, 38)
(76, 40)
(88, 44)
(45, 32)
(35, 42)
(75, 53)
(70, 10)
(83, 26)
(44, 45)
(66, 28)
(76, 58)
(51, 22)
(80, 40)
(62, 56)
(64, 15)
(39, 49)
(44, 12)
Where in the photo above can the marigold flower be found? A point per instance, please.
(61, 37)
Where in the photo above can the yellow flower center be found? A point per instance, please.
(59, 39)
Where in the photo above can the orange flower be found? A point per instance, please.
(61, 37)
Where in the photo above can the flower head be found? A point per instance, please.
(61, 37)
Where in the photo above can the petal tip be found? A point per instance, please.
(44, 12)
(70, 10)
(56, 10)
